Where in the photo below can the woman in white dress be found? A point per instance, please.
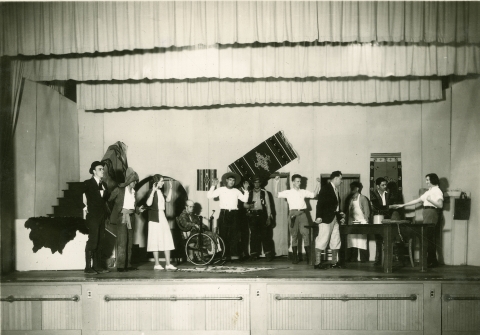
(159, 234)
(358, 213)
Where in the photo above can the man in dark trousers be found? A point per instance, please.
(329, 217)
(123, 215)
(95, 196)
(379, 198)
(259, 221)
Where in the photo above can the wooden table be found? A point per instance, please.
(388, 232)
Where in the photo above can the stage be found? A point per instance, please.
(287, 299)
(283, 270)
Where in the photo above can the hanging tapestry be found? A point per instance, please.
(204, 177)
(266, 158)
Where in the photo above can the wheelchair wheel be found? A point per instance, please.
(220, 251)
(200, 249)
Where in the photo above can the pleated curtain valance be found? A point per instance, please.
(286, 60)
(36, 28)
(207, 92)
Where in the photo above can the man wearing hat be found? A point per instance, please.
(123, 215)
(228, 220)
(95, 195)
(259, 220)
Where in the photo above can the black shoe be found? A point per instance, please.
(433, 264)
(101, 270)
(132, 268)
(337, 266)
(122, 270)
(321, 266)
(377, 263)
(90, 271)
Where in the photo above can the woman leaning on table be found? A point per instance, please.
(432, 205)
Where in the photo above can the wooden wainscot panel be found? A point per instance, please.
(460, 309)
(311, 309)
(41, 317)
(170, 309)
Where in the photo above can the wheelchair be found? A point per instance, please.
(203, 249)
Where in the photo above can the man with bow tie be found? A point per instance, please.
(95, 196)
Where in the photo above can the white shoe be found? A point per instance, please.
(158, 267)
(170, 267)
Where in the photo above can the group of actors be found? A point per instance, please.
(239, 202)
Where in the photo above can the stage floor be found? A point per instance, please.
(283, 270)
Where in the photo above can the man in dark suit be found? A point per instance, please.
(379, 198)
(328, 217)
(95, 196)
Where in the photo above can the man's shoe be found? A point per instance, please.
(269, 257)
(337, 266)
(122, 270)
(101, 270)
(433, 264)
(132, 268)
(90, 271)
(377, 263)
(321, 266)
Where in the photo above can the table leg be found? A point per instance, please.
(312, 247)
(388, 246)
(423, 249)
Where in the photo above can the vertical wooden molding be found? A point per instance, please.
(37, 315)
(432, 307)
(90, 308)
(258, 308)
(200, 316)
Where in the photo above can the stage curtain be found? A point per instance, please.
(286, 60)
(33, 28)
(207, 92)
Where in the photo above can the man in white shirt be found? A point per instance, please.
(298, 219)
(228, 228)
(432, 205)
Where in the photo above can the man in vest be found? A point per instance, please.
(123, 215)
(259, 221)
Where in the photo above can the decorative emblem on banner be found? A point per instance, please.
(262, 161)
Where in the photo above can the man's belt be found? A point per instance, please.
(431, 207)
(299, 210)
(227, 210)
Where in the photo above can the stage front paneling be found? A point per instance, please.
(242, 306)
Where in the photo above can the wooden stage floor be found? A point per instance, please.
(283, 270)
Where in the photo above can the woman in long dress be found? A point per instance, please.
(358, 213)
(159, 234)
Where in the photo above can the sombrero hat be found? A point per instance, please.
(231, 175)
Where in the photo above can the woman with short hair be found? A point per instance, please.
(159, 234)
(432, 205)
